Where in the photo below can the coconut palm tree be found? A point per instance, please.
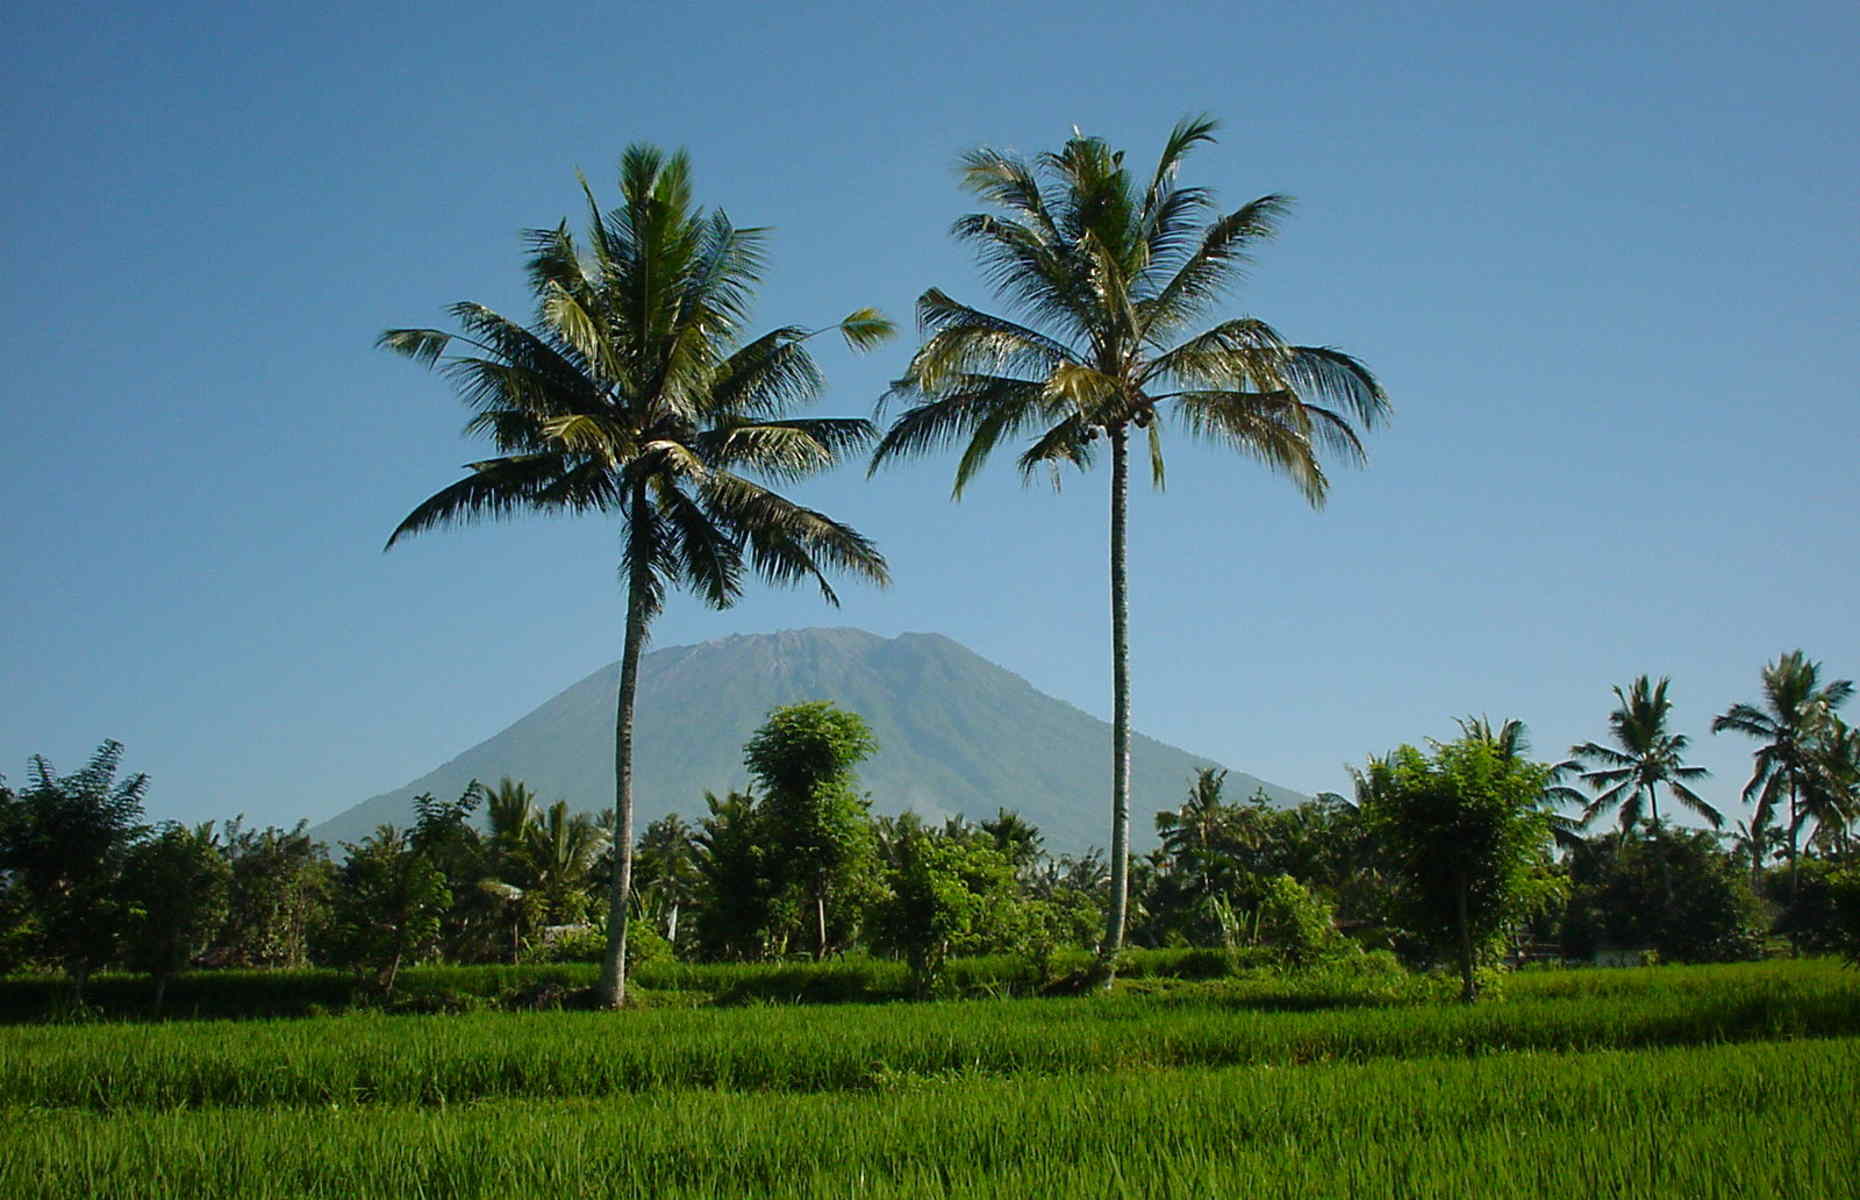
(1512, 740)
(1796, 712)
(633, 394)
(559, 851)
(1834, 799)
(1110, 272)
(1645, 757)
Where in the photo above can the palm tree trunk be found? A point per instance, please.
(1794, 832)
(1120, 712)
(613, 969)
(820, 925)
(1469, 980)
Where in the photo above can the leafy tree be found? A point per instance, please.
(804, 757)
(1512, 739)
(177, 887)
(1466, 834)
(1845, 934)
(279, 905)
(1297, 926)
(1671, 890)
(631, 394)
(1814, 917)
(66, 838)
(445, 834)
(1789, 722)
(1110, 272)
(1645, 756)
(945, 895)
(733, 863)
(19, 930)
(390, 903)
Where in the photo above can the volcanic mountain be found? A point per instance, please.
(957, 735)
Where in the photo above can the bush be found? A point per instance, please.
(1298, 927)
(1672, 891)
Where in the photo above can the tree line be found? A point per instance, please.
(1458, 856)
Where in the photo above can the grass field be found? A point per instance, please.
(1667, 1081)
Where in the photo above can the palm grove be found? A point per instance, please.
(637, 392)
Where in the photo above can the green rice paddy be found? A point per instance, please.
(1698, 1082)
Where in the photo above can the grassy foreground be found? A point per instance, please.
(1714, 1081)
(379, 1059)
(1725, 1121)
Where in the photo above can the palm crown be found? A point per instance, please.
(1645, 757)
(630, 394)
(1114, 273)
(1798, 729)
(634, 393)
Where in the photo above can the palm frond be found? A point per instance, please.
(495, 490)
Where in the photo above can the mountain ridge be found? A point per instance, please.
(957, 734)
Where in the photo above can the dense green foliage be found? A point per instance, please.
(176, 888)
(803, 758)
(1671, 891)
(1467, 836)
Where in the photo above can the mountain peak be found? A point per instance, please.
(957, 734)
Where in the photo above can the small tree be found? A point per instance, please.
(1673, 890)
(803, 758)
(176, 887)
(732, 854)
(947, 894)
(1467, 836)
(280, 902)
(65, 840)
(389, 906)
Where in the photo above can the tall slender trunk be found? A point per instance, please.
(1469, 980)
(613, 968)
(820, 924)
(1795, 829)
(1120, 712)
(1666, 865)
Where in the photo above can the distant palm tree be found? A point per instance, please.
(1197, 832)
(560, 850)
(510, 808)
(1512, 740)
(1111, 272)
(632, 395)
(1795, 712)
(1645, 757)
(1018, 839)
(1834, 799)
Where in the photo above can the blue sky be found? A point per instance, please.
(1602, 256)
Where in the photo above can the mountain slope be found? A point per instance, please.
(957, 734)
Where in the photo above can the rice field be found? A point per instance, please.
(1697, 1082)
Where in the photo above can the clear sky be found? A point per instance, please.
(1603, 256)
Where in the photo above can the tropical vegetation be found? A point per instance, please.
(635, 393)
(1106, 275)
